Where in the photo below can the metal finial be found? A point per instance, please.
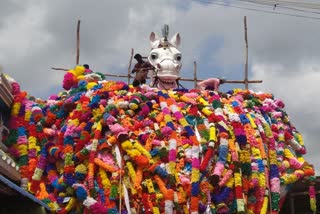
(165, 32)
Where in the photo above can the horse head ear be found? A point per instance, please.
(154, 39)
(175, 40)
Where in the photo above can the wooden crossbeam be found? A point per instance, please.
(60, 69)
(189, 79)
(119, 75)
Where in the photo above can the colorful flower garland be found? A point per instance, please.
(116, 148)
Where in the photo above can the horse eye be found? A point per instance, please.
(178, 57)
(154, 56)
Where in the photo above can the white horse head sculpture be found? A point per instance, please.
(166, 59)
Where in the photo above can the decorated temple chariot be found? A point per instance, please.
(103, 146)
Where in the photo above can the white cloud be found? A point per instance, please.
(25, 36)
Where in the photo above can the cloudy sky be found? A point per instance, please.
(284, 51)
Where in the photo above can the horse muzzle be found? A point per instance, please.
(167, 69)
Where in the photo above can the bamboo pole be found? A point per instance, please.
(226, 81)
(129, 67)
(246, 54)
(191, 80)
(195, 73)
(60, 69)
(78, 43)
(243, 81)
(116, 75)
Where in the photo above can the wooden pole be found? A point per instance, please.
(129, 67)
(246, 55)
(243, 82)
(78, 43)
(60, 69)
(188, 79)
(195, 74)
(116, 75)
